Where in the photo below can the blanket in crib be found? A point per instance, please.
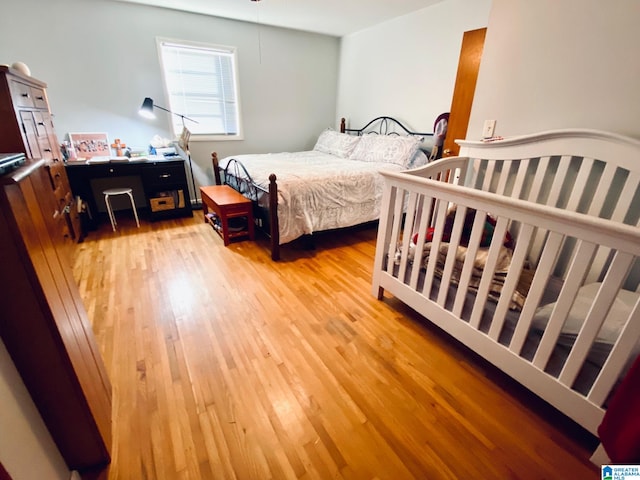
(479, 263)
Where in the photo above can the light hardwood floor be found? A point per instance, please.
(226, 365)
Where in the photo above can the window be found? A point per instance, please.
(201, 83)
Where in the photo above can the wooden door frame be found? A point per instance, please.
(464, 90)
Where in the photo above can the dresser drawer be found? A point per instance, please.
(46, 151)
(39, 98)
(40, 120)
(27, 96)
(60, 195)
(21, 94)
(56, 175)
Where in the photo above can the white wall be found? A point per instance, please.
(546, 64)
(26, 448)
(406, 68)
(99, 59)
(556, 64)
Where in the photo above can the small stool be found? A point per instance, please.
(119, 191)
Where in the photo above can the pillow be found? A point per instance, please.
(398, 149)
(336, 143)
(613, 323)
(419, 159)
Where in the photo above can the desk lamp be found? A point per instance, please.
(146, 110)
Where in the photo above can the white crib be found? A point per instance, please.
(526, 250)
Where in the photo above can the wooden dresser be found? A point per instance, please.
(44, 324)
(43, 321)
(26, 126)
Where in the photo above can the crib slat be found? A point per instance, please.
(619, 354)
(406, 237)
(558, 181)
(516, 191)
(595, 209)
(539, 179)
(454, 242)
(554, 195)
(422, 224)
(467, 266)
(488, 175)
(488, 272)
(520, 177)
(600, 195)
(622, 207)
(473, 171)
(592, 324)
(583, 253)
(519, 256)
(435, 246)
(538, 285)
(504, 176)
(458, 176)
(626, 197)
(581, 179)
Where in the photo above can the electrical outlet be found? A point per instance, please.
(489, 128)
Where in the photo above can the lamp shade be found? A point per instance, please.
(146, 110)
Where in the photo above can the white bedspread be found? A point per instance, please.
(318, 191)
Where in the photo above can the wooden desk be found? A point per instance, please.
(162, 180)
(227, 203)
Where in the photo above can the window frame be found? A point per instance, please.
(209, 46)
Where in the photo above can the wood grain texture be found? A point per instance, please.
(226, 365)
(464, 90)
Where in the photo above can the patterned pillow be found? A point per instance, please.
(398, 149)
(419, 159)
(336, 143)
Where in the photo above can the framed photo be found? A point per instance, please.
(89, 145)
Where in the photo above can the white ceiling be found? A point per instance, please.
(330, 17)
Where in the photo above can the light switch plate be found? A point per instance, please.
(489, 128)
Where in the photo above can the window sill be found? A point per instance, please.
(214, 138)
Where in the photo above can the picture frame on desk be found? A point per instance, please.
(90, 144)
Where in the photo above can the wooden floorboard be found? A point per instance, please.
(226, 365)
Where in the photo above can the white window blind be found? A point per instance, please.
(200, 82)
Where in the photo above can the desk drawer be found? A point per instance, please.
(163, 175)
(109, 170)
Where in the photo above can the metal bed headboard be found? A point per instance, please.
(381, 126)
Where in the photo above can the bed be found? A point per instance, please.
(526, 251)
(335, 185)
